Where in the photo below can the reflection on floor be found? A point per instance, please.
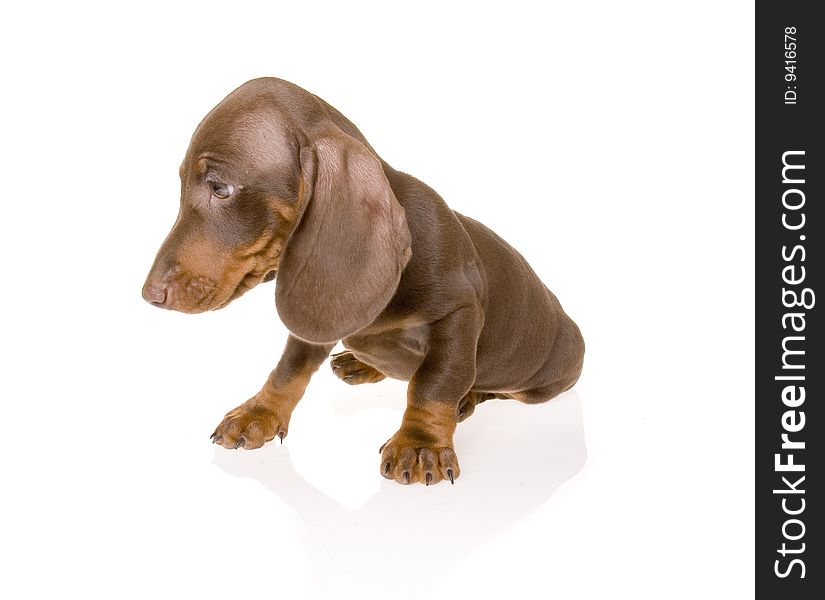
(405, 539)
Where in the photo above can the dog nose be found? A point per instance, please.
(154, 294)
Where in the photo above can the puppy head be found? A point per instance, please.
(269, 185)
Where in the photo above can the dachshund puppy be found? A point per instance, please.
(276, 180)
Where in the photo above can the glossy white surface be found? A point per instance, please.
(611, 143)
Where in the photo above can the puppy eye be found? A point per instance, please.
(222, 190)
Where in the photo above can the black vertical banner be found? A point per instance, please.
(790, 300)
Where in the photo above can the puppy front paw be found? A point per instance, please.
(250, 426)
(408, 458)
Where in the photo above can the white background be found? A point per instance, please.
(610, 142)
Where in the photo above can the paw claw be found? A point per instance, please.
(352, 371)
(250, 426)
(408, 460)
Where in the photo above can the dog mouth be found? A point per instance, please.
(249, 281)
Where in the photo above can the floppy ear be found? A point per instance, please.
(342, 264)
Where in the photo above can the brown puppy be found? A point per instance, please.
(275, 179)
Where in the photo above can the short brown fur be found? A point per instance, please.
(276, 180)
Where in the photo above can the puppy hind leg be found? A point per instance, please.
(352, 371)
(543, 393)
(562, 369)
(468, 403)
